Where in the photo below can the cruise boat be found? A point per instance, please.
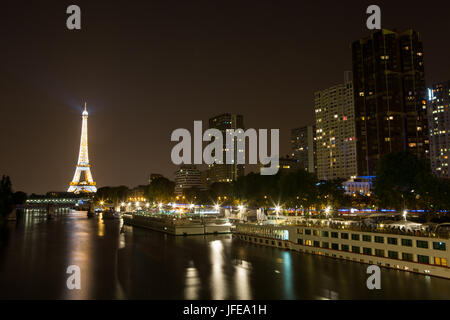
(111, 215)
(179, 225)
(402, 245)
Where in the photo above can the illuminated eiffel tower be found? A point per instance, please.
(82, 180)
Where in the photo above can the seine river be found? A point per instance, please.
(133, 263)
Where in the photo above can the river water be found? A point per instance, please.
(134, 263)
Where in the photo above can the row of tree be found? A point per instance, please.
(403, 182)
(8, 198)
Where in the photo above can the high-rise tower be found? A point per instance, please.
(82, 180)
(303, 143)
(335, 131)
(389, 90)
(439, 124)
(226, 172)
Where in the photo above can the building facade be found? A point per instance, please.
(286, 164)
(226, 172)
(303, 143)
(389, 90)
(187, 177)
(360, 185)
(439, 126)
(335, 131)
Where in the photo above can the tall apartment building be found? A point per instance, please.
(335, 131)
(303, 143)
(439, 124)
(186, 177)
(390, 101)
(226, 172)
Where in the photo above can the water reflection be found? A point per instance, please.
(242, 279)
(80, 254)
(218, 283)
(192, 283)
(136, 263)
(287, 276)
(101, 227)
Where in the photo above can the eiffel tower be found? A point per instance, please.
(82, 180)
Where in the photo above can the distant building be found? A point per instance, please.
(389, 89)
(360, 185)
(61, 194)
(154, 176)
(286, 164)
(289, 164)
(186, 177)
(439, 126)
(226, 172)
(335, 131)
(205, 179)
(303, 143)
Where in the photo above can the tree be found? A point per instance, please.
(19, 197)
(432, 194)
(331, 193)
(404, 181)
(221, 191)
(6, 197)
(192, 195)
(112, 195)
(160, 190)
(298, 189)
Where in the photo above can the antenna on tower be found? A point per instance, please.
(85, 106)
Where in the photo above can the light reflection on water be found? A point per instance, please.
(218, 283)
(242, 279)
(136, 263)
(287, 276)
(81, 256)
(192, 284)
(101, 227)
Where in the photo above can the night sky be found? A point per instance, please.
(148, 67)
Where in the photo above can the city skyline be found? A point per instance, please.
(225, 158)
(138, 92)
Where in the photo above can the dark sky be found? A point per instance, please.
(148, 67)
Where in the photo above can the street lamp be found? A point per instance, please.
(277, 209)
(327, 211)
